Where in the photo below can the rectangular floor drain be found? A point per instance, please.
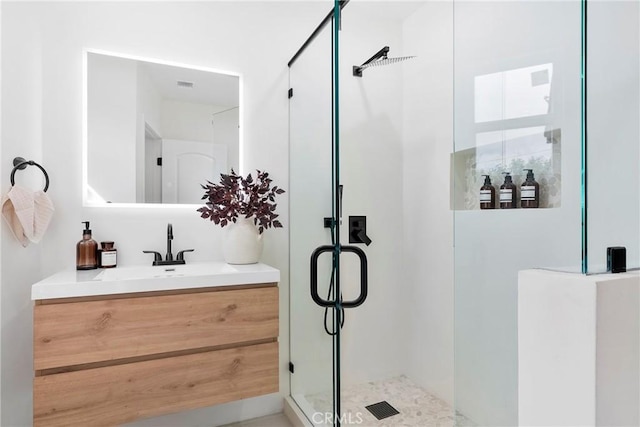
(382, 410)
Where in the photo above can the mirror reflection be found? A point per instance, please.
(155, 132)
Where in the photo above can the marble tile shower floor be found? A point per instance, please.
(417, 407)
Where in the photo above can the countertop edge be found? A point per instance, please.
(49, 288)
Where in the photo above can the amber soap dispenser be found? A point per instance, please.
(530, 192)
(508, 196)
(86, 250)
(487, 194)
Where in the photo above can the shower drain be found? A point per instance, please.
(382, 410)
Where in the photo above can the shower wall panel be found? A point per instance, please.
(517, 87)
(613, 129)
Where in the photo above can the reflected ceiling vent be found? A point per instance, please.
(188, 85)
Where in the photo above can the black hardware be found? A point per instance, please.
(159, 161)
(169, 256)
(315, 33)
(314, 275)
(172, 262)
(290, 93)
(157, 258)
(180, 256)
(364, 282)
(328, 222)
(617, 259)
(21, 163)
(382, 53)
(382, 410)
(291, 367)
(364, 278)
(340, 191)
(358, 230)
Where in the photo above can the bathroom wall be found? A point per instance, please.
(42, 82)
(2, 170)
(613, 147)
(491, 246)
(21, 136)
(427, 141)
(370, 159)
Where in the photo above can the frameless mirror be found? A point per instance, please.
(155, 131)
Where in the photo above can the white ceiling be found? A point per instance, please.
(209, 88)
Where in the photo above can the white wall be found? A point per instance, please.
(613, 145)
(491, 246)
(22, 136)
(42, 80)
(428, 221)
(1, 188)
(578, 349)
(370, 159)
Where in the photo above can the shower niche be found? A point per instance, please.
(510, 151)
(509, 118)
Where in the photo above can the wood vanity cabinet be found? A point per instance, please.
(113, 359)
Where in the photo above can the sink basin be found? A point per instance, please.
(146, 278)
(154, 272)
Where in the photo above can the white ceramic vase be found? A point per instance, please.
(242, 243)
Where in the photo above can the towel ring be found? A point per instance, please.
(20, 163)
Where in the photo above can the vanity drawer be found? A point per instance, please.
(117, 394)
(75, 333)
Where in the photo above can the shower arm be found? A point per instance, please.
(382, 53)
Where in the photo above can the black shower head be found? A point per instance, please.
(380, 58)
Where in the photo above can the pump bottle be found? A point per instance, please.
(530, 192)
(508, 190)
(86, 250)
(487, 194)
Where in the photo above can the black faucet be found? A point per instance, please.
(157, 258)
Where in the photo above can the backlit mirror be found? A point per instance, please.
(156, 131)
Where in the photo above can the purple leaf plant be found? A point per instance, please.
(235, 197)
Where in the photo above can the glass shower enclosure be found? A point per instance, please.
(403, 292)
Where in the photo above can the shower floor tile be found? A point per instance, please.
(417, 407)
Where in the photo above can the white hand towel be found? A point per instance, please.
(27, 213)
(42, 215)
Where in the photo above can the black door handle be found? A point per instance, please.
(364, 280)
(314, 276)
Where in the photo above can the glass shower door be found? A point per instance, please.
(312, 183)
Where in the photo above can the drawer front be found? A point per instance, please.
(117, 394)
(76, 333)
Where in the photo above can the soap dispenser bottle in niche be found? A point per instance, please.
(487, 194)
(530, 192)
(86, 250)
(508, 190)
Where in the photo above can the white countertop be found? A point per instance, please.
(123, 280)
